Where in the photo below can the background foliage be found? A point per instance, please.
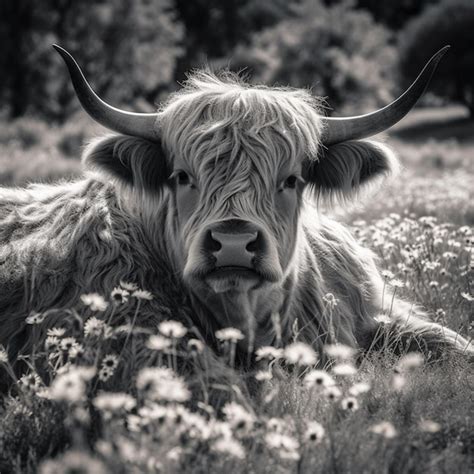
(135, 52)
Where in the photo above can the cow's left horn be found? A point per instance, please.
(337, 130)
(128, 123)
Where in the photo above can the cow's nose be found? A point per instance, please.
(232, 249)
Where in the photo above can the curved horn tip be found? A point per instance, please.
(121, 121)
(66, 56)
(438, 55)
(60, 50)
(339, 129)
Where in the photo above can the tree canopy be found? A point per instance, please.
(137, 52)
(327, 49)
(116, 43)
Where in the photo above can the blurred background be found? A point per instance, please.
(358, 54)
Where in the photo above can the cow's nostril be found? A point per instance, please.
(210, 243)
(255, 244)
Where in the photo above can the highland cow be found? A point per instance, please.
(213, 204)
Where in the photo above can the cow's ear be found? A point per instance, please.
(342, 170)
(128, 160)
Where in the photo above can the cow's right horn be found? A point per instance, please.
(337, 130)
(128, 123)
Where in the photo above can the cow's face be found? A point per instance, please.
(235, 163)
(237, 216)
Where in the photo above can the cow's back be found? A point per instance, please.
(59, 242)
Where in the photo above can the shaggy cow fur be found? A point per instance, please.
(119, 223)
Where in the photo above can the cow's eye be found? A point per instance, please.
(291, 181)
(182, 178)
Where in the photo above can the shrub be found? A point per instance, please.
(328, 49)
(25, 132)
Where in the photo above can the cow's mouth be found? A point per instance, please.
(233, 271)
(233, 278)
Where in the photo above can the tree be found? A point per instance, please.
(215, 27)
(394, 14)
(128, 49)
(338, 51)
(451, 22)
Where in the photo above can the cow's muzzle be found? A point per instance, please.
(234, 250)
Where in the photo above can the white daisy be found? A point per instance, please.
(385, 429)
(318, 378)
(110, 361)
(35, 318)
(56, 332)
(130, 287)
(285, 446)
(429, 426)
(142, 295)
(359, 388)
(158, 343)
(229, 334)
(229, 446)
(172, 329)
(332, 393)
(94, 327)
(268, 352)
(52, 343)
(410, 362)
(105, 373)
(3, 355)
(300, 353)
(238, 417)
(314, 432)
(339, 351)
(119, 295)
(344, 370)
(114, 402)
(350, 404)
(195, 345)
(95, 302)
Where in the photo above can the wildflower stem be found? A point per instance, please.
(10, 371)
(393, 299)
(132, 326)
(174, 355)
(383, 292)
(232, 353)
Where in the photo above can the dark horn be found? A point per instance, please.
(337, 130)
(128, 123)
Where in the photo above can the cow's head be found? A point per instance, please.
(236, 159)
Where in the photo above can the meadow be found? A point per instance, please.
(96, 406)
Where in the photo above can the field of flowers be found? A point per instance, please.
(105, 398)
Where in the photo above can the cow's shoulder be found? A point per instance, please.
(341, 260)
